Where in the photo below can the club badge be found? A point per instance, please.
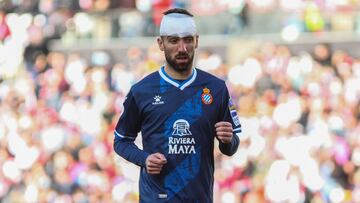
(206, 97)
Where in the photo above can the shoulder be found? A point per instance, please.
(145, 82)
(206, 76)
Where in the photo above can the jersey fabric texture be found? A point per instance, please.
(176, 119)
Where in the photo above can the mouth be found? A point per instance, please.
(182, 58)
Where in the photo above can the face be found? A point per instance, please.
(179, 51)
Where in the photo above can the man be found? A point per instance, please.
(179, 111)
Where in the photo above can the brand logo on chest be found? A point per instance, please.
(157, 100)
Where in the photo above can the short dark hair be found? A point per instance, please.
(178, 10)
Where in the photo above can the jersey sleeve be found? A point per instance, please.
(126, 131)
(228, 113)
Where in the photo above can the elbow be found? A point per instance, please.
(117, 146)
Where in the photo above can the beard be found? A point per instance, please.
(180, 67)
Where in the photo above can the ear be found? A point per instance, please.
(160, 43)
(196, 41)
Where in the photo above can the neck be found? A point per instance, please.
(177, 75)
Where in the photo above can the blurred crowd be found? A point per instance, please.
(300, 114)
(106, 19)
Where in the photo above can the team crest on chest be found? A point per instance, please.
(206, 97)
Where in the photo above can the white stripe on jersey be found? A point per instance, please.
(123, 136)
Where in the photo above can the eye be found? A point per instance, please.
(188, 39)
(173, 40)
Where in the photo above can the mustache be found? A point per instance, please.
(182, 55)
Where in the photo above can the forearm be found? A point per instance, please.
(230, 148)
(129, 151)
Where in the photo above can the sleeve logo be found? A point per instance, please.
(233, 113)
(206, 97)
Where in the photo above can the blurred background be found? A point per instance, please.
(292, 67)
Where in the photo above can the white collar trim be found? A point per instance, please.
(176, 84)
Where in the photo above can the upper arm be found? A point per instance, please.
(129, 123)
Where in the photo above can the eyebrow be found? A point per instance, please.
(189, 36)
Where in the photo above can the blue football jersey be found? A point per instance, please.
(176, 118)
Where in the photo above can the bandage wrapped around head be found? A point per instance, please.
(177, 24)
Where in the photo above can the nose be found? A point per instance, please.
(182, 46)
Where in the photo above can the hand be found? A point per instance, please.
(224, 131)
(154, 163)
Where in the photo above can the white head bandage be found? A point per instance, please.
(177, 24)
